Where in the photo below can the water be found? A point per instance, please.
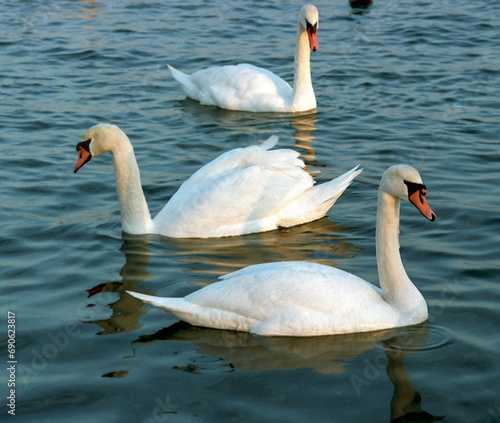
(412, 82)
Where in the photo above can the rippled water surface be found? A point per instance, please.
(413, 82)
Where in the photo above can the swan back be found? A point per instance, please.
(264, 182)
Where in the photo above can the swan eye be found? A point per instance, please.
(84, 144)
(414, 187)
(312, 28)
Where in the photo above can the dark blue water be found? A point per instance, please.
(414, 82)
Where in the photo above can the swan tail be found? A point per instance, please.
(270, 142)
(185, 81)
(317, 200)
(322, 197)
(196, 315)
(171, 305)
(329, 192)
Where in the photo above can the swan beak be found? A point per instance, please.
(313, 37)
(85, 156)
(419, 201)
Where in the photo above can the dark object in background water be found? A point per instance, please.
(360, 3)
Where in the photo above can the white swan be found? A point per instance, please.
(253, 89)
(244, 190)
(309, 299)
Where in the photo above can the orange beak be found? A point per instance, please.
(313, 37)
(85, 156)
(419, 201)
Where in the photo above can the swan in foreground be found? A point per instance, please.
(245, 190)
(309, 299)
(253, 89)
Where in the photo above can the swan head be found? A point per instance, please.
(404, 182)
(309, 19)
(97, 140)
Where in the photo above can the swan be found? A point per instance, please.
(245, 190)
(310, 299)
(250, 88)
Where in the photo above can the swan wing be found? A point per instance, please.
(242, 191)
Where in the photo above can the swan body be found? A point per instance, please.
(309, 299)
(245, 190)
(250, 88)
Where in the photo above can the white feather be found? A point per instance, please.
(254, 89)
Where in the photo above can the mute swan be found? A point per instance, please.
(244, 190)
(253, 89)
(309, 299)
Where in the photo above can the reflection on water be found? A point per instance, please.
(406, 400)
(230, 121)
(125, 311)
(318, 242)
(326, 355)
(360, 7)
(88, 12)
(303, 124)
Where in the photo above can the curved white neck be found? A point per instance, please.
(303, 92)
(397, 287)
(135, 215)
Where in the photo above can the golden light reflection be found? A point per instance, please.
(88, 13)
(320, 241)
(304, 125)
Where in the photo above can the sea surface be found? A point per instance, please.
(415, 82)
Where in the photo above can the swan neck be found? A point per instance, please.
(135, 215)
(393, 279)
(303, 92)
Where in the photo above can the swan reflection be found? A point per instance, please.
(324, 354)
(236, 123)
(319, 241)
